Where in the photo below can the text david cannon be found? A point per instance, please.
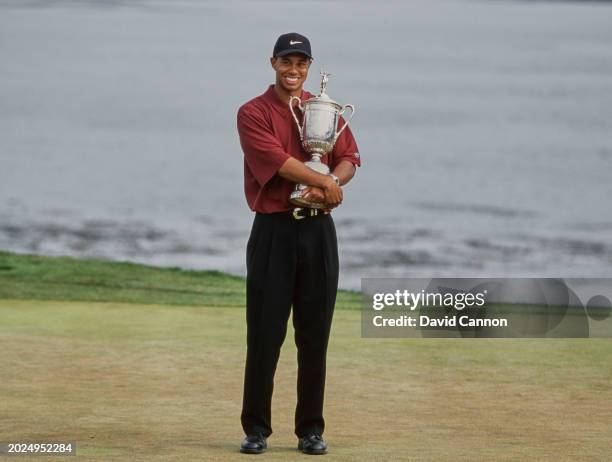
(447, 321)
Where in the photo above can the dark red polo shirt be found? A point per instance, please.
(269, 135)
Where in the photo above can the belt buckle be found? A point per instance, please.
(296, 213)
(307, 213)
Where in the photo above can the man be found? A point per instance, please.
(292, 255)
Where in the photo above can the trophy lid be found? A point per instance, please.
(323, 97)
(324, 81)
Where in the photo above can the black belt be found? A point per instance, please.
(301, 213)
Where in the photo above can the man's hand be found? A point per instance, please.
(314, 194)
(333, 192)
(296, 171)
(317, 195)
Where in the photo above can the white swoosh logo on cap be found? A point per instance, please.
(291, 42)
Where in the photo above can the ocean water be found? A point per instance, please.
(485, 130)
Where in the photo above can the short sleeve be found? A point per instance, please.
(345, 147)
(263, 152)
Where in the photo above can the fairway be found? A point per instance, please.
(154, 382)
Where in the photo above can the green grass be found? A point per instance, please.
(155, 383)
(146, 364)
(36, 277)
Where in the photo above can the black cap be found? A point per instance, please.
(292, 43)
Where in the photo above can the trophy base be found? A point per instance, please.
(297, 199)
(296, 196)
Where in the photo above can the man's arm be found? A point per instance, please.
(345, 171)
(296, 171)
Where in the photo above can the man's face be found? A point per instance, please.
(291, 71)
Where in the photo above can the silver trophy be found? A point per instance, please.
(318, 133)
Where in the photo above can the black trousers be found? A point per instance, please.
(289, 263)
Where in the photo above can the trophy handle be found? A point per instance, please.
(297, 122)
(346, 122)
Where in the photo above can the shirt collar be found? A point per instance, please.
(272, 98)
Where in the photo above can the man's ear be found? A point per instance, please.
(273, 62)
